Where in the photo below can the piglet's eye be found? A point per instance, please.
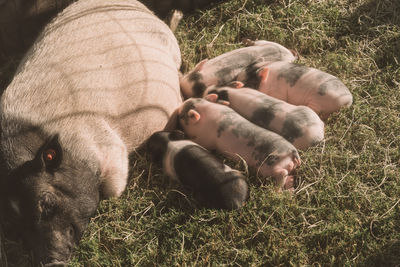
(49, 155)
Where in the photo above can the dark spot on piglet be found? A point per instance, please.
(195, 76)
(226, 122)
(292, 73)
(198, 89)
(263, 116)
(295, 121)
(291, 131)
(333, 84)
(263, 153)
(252, 80)
(222, 94)
(206, 176)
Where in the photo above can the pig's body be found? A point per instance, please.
(185, 161)
(223, 69)
(221, 128)
(300, 125)
(99, 80)
(301, 85)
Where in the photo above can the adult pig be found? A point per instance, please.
(301, 85)
(216, 126)
(224, 68)
(213, 182)
(99, 80)
(300, 125)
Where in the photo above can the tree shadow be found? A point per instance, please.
(376, 19)
(387, 256)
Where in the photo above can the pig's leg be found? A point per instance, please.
(289, 183)
(174, 19)
(283, 180)
(113, 156)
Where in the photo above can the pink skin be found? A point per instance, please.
(224, 68)
(277, 115)
(216, 126)
(320, 91)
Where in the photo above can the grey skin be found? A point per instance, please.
(212, 182)
(21, 21)
(99, 80)
(49, 201)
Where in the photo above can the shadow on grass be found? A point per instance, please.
(387, 256)
(378, 19)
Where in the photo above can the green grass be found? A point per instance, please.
(345, 211)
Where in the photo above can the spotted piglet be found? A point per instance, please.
(300, 125)
(216, 126)
(224, 68)
(213, 182)
(299, 85)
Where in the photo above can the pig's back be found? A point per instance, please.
(108, 60)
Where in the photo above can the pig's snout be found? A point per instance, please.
(56, 250)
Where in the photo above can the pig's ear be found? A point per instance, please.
(236, 84)
(200, 65)
(263, 74)
(212, 97)
(194, 116)
(224, 102)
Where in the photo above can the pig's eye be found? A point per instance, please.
(49, 155)
(52, 154)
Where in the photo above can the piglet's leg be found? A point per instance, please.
(289, 183)
(280, 179)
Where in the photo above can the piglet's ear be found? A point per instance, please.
(263, 74)
(200, 65)
(236, 84)
(194, 116)
(223, 102)
(211, 97)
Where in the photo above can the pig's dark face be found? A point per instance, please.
(157, 144)
(51, 198)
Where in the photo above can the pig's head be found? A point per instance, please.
(222, 91)
(188, 113)
(195, 113)
(192, 84)
(47, 194)
(157, 143)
